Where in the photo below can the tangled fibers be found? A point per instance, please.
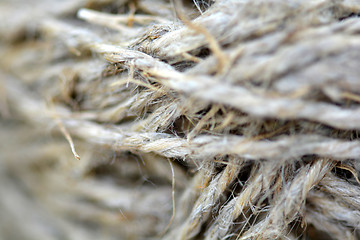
(222, 119)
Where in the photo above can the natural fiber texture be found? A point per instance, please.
(226, 119)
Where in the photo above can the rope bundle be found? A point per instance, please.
(220, 119)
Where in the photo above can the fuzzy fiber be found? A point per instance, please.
(222, 119)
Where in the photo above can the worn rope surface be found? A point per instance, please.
(254, 102)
